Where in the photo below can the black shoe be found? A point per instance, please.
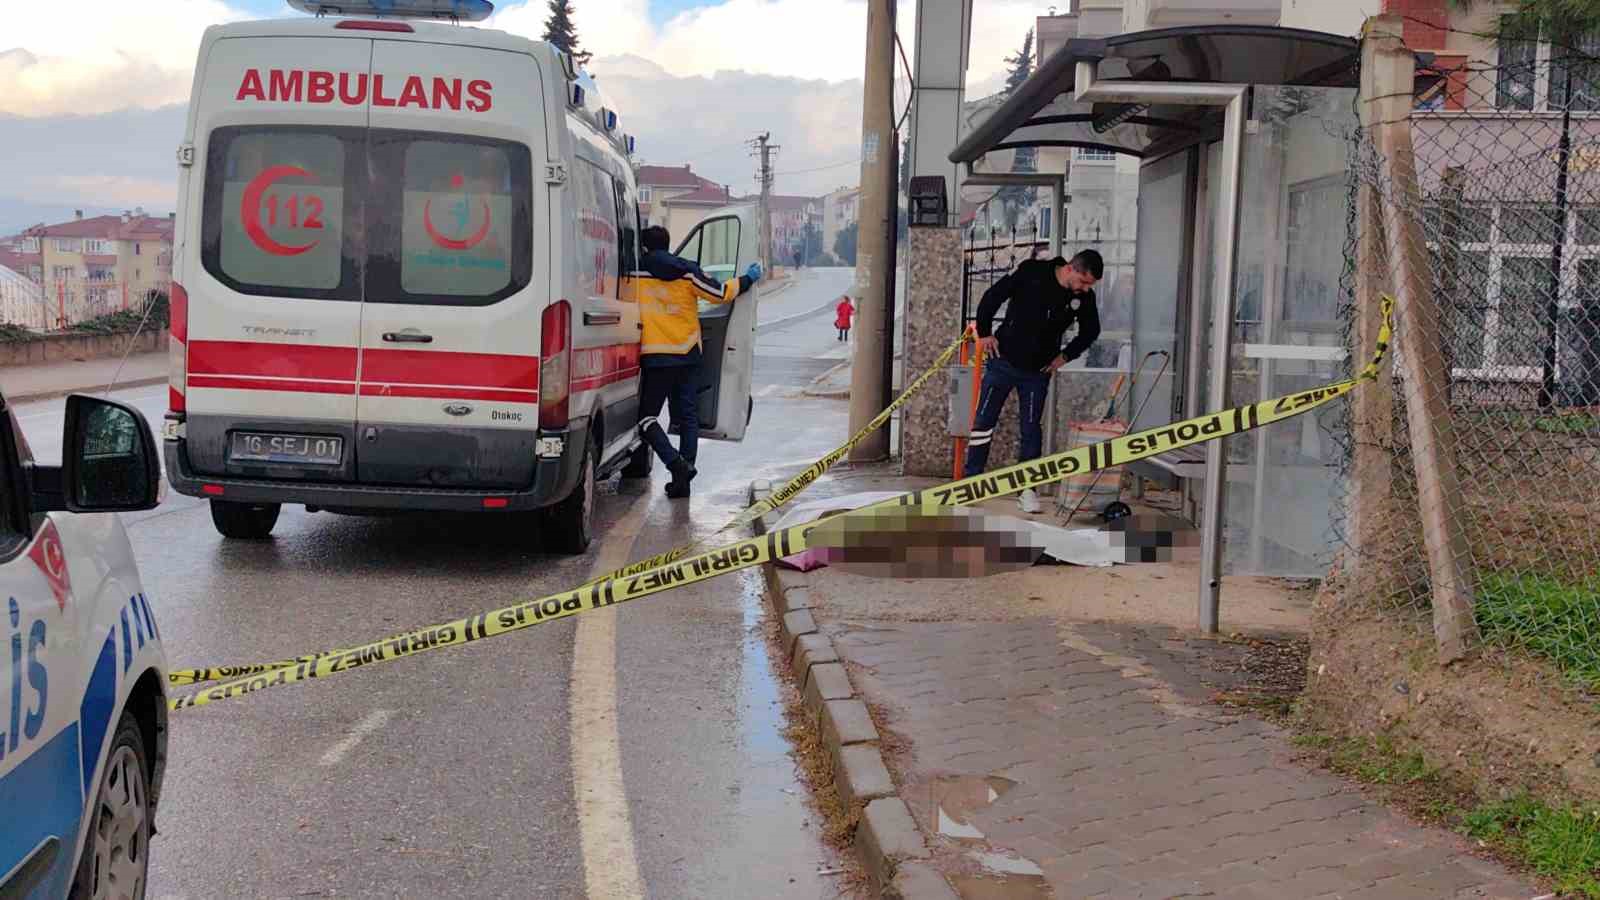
(683, 472)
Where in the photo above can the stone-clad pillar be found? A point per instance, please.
(933, 320)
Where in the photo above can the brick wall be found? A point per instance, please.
(1424, 21)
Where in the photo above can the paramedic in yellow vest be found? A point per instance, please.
(670, 354)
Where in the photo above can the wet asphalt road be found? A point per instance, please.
(452, 774)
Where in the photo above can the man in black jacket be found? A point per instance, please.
(1045, 298)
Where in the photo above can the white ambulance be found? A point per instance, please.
(403, 275)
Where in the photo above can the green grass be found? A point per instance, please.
(1560, 844)
(126, 321)
(1573, 423)
(1549, 617)
(1379, 761)
(11, 334)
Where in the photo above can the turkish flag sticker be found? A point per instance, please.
(51, 558)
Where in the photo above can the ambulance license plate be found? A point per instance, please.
(305, 449)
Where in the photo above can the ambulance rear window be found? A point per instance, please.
(450, 219)
(277, 201)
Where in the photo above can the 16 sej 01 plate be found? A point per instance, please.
(305, 449)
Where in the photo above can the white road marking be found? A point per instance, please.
(372, 722)
(610, 863)
(769, 390)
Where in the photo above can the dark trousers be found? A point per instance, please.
(844, 334)
(999, 379)
(678, 388)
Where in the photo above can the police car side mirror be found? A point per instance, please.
(108, 458)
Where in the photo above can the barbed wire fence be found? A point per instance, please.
(1504, 361)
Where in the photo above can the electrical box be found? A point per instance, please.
(960, 401)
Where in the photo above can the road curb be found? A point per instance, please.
(887, 841)
(786, 321)
(832, 393)
(54, 393)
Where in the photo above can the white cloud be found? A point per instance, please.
(809, 39)
(93, 56)
(74, 78)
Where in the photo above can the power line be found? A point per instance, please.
(849, 162)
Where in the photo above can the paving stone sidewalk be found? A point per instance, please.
(1124, 787)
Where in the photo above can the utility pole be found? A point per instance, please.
(869, 381)
(765, 150)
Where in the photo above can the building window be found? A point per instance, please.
(68, 245)
(1532, 75)
(1044, 222)
(1091, 155)
(1580, 62)
(644, 193)
(98, 247)
(135, 248)
(62, 273)
(1518, 72)
(1499, 290)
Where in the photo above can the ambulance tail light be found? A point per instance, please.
(177, 348)
(555, 365)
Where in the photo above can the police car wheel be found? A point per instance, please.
(116, 858)
(569, 525)
(243, 521)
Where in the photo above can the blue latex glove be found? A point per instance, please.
(754, 273)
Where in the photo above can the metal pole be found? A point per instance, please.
(1224, 248)
(1547, 388)
(1226, 254)
(875, 231)
(892, 173)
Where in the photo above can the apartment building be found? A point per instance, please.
(676, 198)
(839, 211)
(93, 266)
(790, 216)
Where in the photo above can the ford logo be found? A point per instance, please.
(457, 409)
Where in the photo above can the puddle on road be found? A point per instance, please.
(763, 707)
(1014, 887)
(954, 803)
(956, 799)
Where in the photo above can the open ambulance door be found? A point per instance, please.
(725, 244)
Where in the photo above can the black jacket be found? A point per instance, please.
(1038, 316)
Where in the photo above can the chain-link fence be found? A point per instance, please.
(1503, 225)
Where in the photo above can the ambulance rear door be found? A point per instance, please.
(459, 267)
(725, 244)
(274, 307)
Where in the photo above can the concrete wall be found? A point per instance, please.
(78, 347)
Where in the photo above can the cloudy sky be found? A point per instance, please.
(92, 92)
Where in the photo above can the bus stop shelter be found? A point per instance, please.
(1242, 133)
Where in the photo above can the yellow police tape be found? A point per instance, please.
(780, 496)
(788, 541)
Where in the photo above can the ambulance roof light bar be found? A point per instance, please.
(445, 10)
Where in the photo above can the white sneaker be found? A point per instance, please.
(1029, 501)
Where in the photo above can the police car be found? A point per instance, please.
(405, 274)
(83, 711)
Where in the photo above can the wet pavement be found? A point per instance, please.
(452, 774)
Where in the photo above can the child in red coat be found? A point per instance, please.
(841, 318)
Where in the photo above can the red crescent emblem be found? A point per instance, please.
(250, 209)
(48, 555)
(467, 243)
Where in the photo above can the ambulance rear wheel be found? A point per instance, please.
(569, 525)
(243, 521)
